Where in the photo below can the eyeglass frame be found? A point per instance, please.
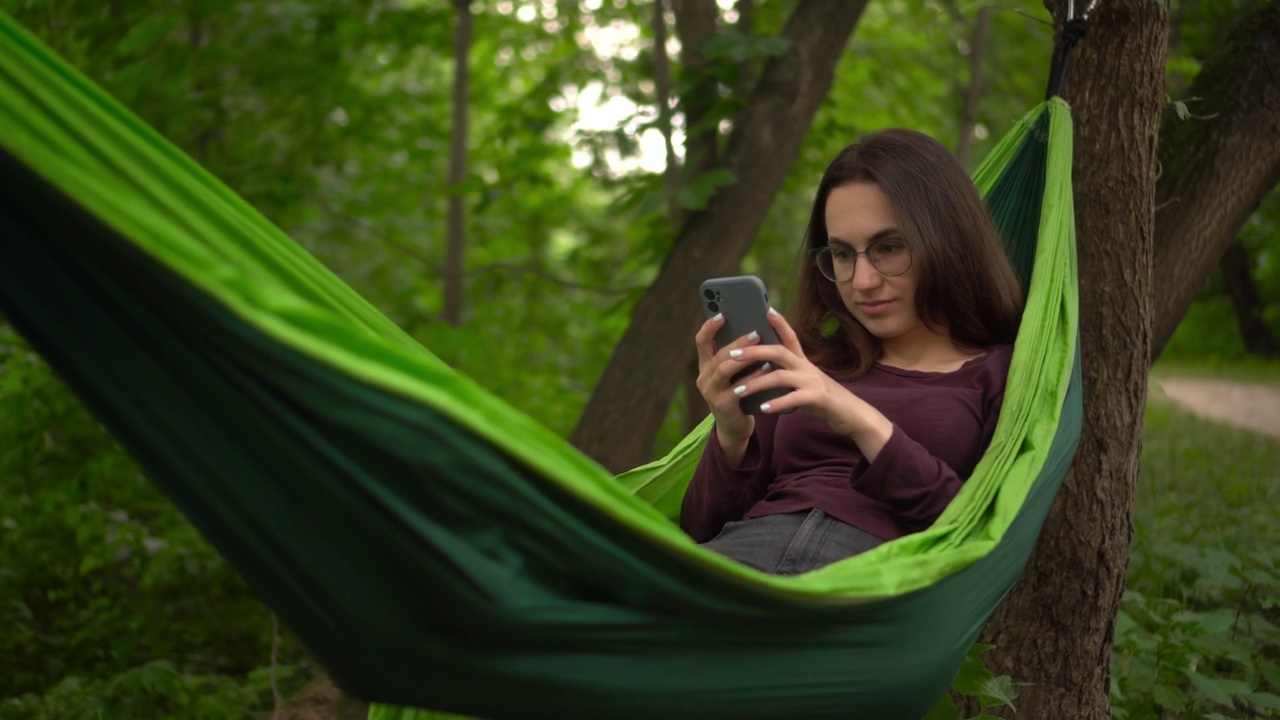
(814, 253)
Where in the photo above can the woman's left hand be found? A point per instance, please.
(812, 389)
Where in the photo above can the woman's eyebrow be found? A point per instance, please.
(880, 235)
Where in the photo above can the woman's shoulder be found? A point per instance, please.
(995, 359)
(999, 355)
(992, 368)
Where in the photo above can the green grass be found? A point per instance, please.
(1203, 479)
(1197, 634)
(1250, 370)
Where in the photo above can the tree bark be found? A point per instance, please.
(455, 219)
(973, 94)
(1237, 280)
(1055, 629)
(695, 22)
(662, 98)
(1216, 166)
(747, 27)
(695, 25)
(623, 416)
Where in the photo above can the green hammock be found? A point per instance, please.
(432, 546)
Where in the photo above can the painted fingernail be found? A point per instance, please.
(740, 389)
(766, 367)
(773, 312)
(735, 354)
(753, 336)
(764, 407)
(718, 317)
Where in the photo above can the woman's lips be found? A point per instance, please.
(876, 307)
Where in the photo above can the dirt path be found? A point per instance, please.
(1252, 407)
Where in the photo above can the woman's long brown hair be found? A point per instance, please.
(966, 282)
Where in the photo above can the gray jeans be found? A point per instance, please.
(791, 544)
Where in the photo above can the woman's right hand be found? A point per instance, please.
(716, 368)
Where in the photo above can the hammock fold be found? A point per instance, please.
(434, 547)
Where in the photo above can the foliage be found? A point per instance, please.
(1197, 635)
(1251, 370)
(974, 680)
(1209, 332)
(153, 690)
(331, 118)
(1209, 329)
(97, 572)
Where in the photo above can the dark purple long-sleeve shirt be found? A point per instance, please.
(942, 423)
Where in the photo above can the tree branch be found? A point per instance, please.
(622, 418)
(1217, 169)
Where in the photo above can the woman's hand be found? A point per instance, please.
(812, 390)
(716, 368)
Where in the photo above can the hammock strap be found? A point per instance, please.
(1072, 32)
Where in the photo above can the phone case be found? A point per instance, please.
(744, 302)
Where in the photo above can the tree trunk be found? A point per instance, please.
(973, 94)
(455, 220)
(1054, 631)
(619, 424)
(1237, 279)
(695, 25)
(1217, 166)
(747, 68)
(662, 98)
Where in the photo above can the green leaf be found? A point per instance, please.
(998, 692)
(973, 674)
(1219, 690)
(697, 194)
(1263, 700)
(1212, 622)
(734, 47)
(689, 200)
(1169, 698)
(945, 709)
(145, 35)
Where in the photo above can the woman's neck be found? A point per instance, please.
(932, 351)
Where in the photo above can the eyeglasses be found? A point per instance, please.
(836, 262)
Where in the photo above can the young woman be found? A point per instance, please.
(905, 310)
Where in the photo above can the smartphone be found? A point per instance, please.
(744, 302)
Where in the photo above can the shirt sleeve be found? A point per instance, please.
(719, 492)
(912, 481)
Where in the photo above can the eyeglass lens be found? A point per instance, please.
(837, 262)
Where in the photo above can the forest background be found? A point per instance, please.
(510, 211)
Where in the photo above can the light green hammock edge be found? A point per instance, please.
(433, 546)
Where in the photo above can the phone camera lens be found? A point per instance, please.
(709, 294)
(713, 307)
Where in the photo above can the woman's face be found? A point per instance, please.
(859, 217)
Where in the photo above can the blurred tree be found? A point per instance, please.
(1219, 157)
(629, 403)
(973, 94)
(455, 229)
(1237, 278)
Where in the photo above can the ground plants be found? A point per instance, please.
(112, 603)
(1197, 635)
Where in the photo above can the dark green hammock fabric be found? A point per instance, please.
(434, 547)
